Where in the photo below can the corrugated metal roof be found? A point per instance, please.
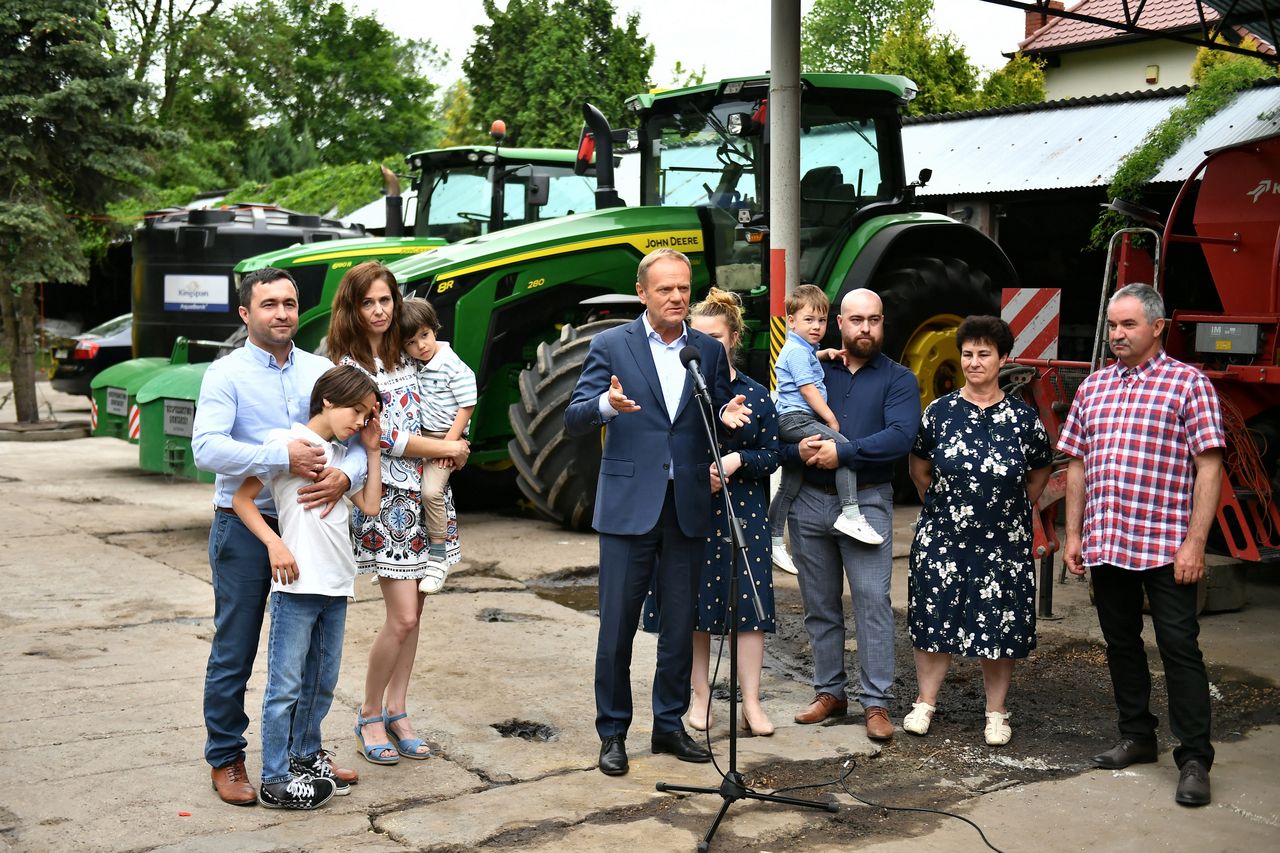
(1072, 145)
(1253, 114)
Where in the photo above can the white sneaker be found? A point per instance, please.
(437, 571)
(997, 731)
(858, 528)
(783, 560)
(918, 720)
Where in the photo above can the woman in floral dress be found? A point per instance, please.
(980, 462)
(365, 331)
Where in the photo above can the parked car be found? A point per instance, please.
(78, 359)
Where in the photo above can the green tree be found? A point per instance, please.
(535, 62)
(682, 77)
(359, 90)
(69, 142)
(1020, 81)
(155, 36)
(841, 35)
(461, 125)
(945, 78)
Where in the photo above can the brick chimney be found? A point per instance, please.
(1038, 18)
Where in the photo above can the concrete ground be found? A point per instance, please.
(105, 629)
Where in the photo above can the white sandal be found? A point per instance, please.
(918, 720)
(998, 731)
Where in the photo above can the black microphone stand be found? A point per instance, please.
(732, 786)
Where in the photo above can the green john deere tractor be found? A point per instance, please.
(521, 306)
(462, 192)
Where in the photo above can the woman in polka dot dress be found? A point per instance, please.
(750, 456)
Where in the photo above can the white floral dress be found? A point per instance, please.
(394, 542)
(971, 587)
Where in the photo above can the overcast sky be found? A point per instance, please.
(729, 37)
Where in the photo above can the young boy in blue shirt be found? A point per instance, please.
(803, 412)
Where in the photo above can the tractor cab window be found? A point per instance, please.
(840, 172)
(454, 204)
(566, 193)
(707, 154)
(698, 161)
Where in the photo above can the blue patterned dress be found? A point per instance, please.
(971, 587)
(394, 542)
(749, 488)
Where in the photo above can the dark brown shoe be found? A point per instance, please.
(351, 777)
(232, 784)
(823, 705)
(878, 725)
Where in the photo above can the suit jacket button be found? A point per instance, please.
(666, 466)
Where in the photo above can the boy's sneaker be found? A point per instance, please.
(783, 560)
(319, 767)
(437, 571)
(300, 792)
(857, 527)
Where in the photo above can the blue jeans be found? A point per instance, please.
(304, 653)
(241, 581)
(825, 559)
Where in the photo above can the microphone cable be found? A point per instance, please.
(852, 765)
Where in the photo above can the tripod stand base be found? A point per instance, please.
(732, 789)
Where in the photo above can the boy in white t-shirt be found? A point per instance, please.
(447, 388)
(312, 575)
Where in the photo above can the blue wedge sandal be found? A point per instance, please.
(408, 746)
(372, 753)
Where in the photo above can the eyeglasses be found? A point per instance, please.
(872, 321)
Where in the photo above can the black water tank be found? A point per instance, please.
(183, 261)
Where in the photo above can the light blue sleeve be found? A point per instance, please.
(212, 443)
(801, 367)
(355, 464)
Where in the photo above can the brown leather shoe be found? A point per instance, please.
(823, 705)
(351, 777)
(232, 784)
(878, 725)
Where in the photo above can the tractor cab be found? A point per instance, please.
(708, 149)
(473, 190)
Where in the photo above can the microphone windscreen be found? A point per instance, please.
(689, 354)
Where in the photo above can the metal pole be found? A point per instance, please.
(784, 163)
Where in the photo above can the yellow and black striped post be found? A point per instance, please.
(777, 337)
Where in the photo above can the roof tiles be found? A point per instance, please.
(1158, 15)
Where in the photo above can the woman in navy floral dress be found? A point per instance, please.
(980, 462)
(750, 456)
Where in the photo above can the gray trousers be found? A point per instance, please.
(825, 558)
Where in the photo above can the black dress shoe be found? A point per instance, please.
(679, 744)
(613, 755)
(1193, 785)
(1124, 753)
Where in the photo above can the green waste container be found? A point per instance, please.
(114, 391)
(168, 409)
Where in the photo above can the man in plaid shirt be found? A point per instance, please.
(1145, 436)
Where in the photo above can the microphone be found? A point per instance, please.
(690, 358)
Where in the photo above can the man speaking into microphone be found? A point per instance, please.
(653, 499)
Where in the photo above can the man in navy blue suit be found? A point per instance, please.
(653, 499)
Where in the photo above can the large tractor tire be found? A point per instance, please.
(925, 299)
(556, 472)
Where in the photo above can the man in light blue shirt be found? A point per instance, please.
(263, 386)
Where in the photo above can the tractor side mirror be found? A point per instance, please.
(539, 190)
(926, 175)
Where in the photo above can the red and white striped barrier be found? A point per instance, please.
(1033, 313)
(135, 426)
(93, 415)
